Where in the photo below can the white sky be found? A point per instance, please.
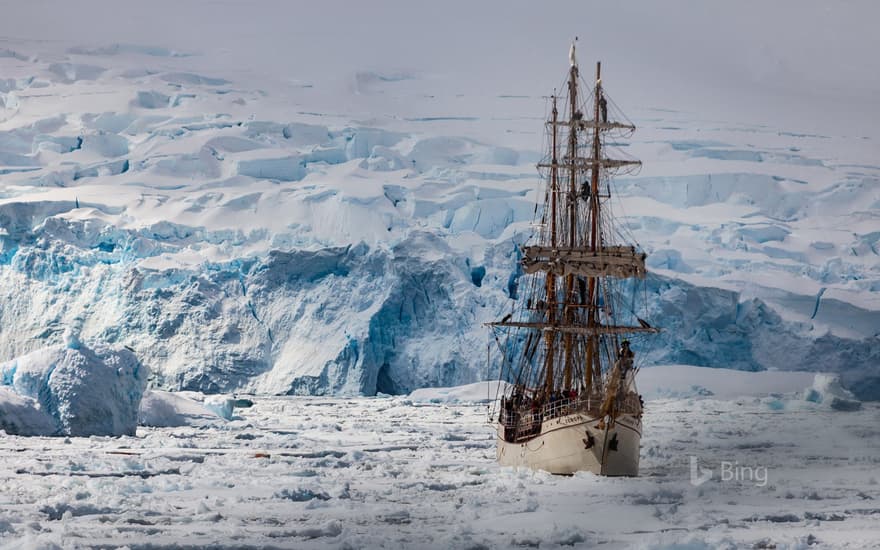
(810, 63)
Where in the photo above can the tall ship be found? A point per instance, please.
(571, 403)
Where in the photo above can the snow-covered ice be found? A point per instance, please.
(161, 409)
(470, 393)
(393, 472)
(72, 390)
(75, 390)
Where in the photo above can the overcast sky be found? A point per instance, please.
(802, 56)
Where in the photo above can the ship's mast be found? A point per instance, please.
(592, 312)
(572, 218)
(550, 336)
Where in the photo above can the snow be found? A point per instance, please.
(393, 472)
(72, 390)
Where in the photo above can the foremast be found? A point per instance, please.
(571, 253)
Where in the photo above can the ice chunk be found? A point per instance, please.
(108, 121)
(282, 169)
(71, 72)
(151, 100)
(85, 391)
(23, 415)
(162, 409)
(192, 79)
(232, 144)
(221, 405)
(478, 392)
(383, 159)
(827, 390)
(299, 134)
(71, 339)
(668, 259)
(763, 233)
(441, 151)
(105, 144)
(360, 142)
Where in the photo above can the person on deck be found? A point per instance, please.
(618, 381)
(626, 355)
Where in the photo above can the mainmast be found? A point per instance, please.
(592, 359)
(572, 214)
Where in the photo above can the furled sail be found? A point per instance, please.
(612, 261)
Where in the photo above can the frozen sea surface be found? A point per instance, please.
(309, 472)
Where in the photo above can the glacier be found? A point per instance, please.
(245, 234)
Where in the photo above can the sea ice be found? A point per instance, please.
(399, 472)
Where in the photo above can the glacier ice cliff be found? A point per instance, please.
(352, 319)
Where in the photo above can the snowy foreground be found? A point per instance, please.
(419, 472)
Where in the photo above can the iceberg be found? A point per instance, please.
(72, 390)
(826, 390)
(21, 415)
(160, 409)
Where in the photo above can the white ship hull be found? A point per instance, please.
(578, 442)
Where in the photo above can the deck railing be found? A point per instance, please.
(525, 421)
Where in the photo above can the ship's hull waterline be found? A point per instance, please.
(578, 443)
